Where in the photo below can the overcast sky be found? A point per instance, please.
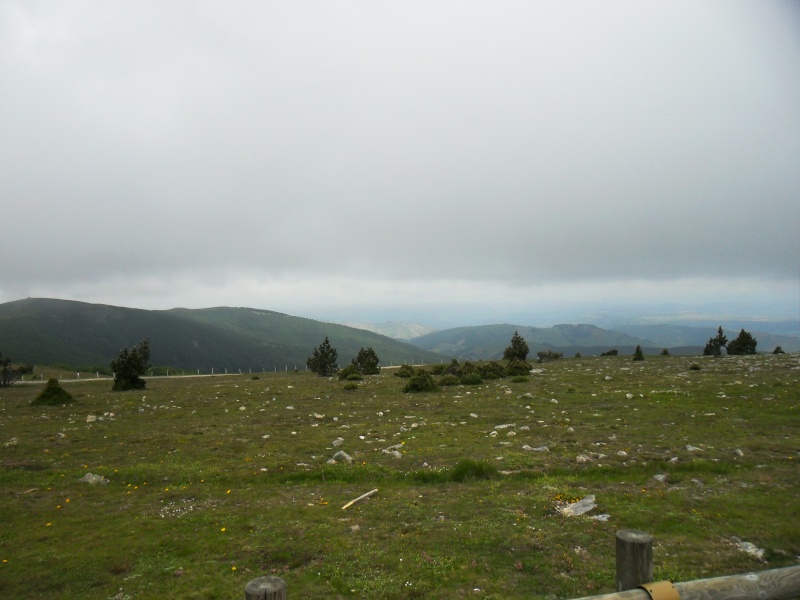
(451, 161)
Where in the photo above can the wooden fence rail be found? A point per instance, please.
(777, 584)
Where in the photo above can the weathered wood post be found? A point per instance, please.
(265, 588)
(634, 559)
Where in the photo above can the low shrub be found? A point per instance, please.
(612, 352)
(492, 370)
(448, 380)
(517, 366)
(549, 355)
(694, 367)
(350, 369)
(53, 395)
(355, 377)
(471, 470)
(471, 379)
(349, 386)
(438, 369)
(520, 379)
(420, 381)
(405, 371)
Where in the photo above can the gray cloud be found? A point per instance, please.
(280, 149)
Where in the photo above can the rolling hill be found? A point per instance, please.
(47, 331)
(489, 341)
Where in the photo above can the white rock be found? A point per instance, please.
(582, 458)
(578, 508)
(539, 449)
(337, 442)
(690, 448)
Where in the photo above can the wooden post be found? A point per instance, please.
(634, 559)
(265, 588)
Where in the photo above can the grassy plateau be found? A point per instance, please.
(213, 481)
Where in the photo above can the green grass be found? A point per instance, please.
(216, 480)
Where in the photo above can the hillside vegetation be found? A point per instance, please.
(46, 332)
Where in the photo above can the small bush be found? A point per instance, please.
(665, 352)
(492, 370)
(470, 470)
(471, 379)
(350, 386)
(638, 354)
(405, 371)
(438, 369)
(549, 355)
(350, 369)
(448, 380)
(355, 377)
(778, 350)
(421, 381)
(53, 395)
(577, 355)
(612, 352)
(520, 379)
(517, 366)
(694, 367)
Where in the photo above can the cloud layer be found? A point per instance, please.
(387, 155)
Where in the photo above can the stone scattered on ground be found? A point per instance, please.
(539, 449)
(340, 455)
(578, 508)
(94, 479)
(750, 549)
(662, 477)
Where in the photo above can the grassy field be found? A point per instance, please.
(216, 480)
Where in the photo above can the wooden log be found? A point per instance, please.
(634, 559)
(775, 584)
(265, 588)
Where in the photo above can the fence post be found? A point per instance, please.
(265, 588)
(634, 559)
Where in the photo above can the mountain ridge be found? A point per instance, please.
(51, 331)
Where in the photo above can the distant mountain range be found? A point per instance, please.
(48, 332)
(489, 341)
(86, 336)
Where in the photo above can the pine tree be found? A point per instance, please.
(518, 348)
(366, 362)
(715, 344)
(130, 365)
(323, 361)
(743, 344)
(638, 354)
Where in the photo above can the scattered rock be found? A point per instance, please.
(539, 449)
(622, 453)
(604, 517)
(91, 418)
(739, 452)
(342, 455)
(582, 458)
(690, 448)
(662, 477)
(750, 549)
(337, 442)
(578, 508)
(505, 426)
(94, 479)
